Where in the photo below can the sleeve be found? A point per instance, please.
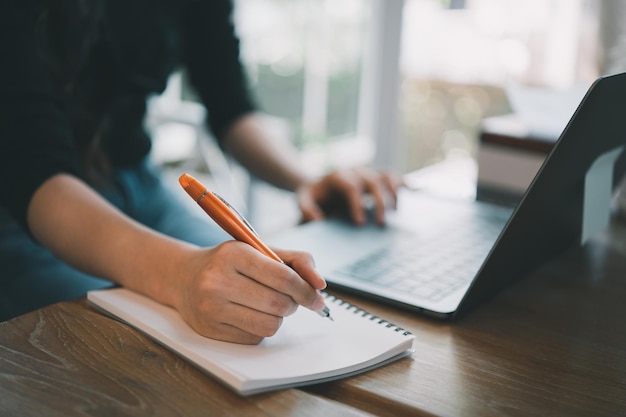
(211, 56)
(35, 133)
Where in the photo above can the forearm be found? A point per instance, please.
(216, 290)
(250, 144)
(85, 231)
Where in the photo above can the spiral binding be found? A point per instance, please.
(364, 313)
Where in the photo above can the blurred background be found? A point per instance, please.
(398, 84)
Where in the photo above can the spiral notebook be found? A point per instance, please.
(307, 349)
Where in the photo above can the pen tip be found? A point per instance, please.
(325, 312)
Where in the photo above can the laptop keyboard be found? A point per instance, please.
(429, 268)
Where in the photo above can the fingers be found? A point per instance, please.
(353, 184)
(308, 206)
(350, 186)
(245, 325)
(304, 265)
(241, 325)
(391, 184)
(344, 191)
(374, 185)
(248, 291)
(298, 283)
(240, 295)
(383, 186)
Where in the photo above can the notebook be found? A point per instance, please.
(451, 255)
(307, 349)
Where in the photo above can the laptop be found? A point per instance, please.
(444, 257)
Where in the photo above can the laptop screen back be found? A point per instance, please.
(570, 197)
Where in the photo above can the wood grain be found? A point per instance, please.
(553, 344)
(69, 360)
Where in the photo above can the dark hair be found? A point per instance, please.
(68, 33)
(65, 31)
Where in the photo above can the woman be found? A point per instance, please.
(81, 207)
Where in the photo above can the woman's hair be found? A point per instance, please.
(65, 32)
(68, 33)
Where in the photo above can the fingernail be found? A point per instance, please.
(319, 303)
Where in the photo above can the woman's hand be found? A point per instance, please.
(236, 294)
(229, 292)
(342, 192)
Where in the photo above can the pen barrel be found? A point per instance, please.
(222, 215)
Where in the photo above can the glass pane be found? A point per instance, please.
(304, 59)
(459, 57)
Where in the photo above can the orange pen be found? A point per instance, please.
(225, 215)
(229, 219)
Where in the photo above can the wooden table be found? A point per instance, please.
(553, 344)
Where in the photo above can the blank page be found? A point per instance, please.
(306, 349)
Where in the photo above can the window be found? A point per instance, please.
(457, 63)
(305, 63)
(405, 83)
(331, 69)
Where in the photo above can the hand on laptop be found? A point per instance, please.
(342, 193)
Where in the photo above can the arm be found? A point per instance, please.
(340, 190)
(210, 38)
(251, 145)
(230, 292)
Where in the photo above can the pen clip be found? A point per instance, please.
(234, 210)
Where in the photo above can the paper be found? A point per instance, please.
(306, 349)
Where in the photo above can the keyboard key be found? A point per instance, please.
(429, 268)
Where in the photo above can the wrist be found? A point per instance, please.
(160, 268)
